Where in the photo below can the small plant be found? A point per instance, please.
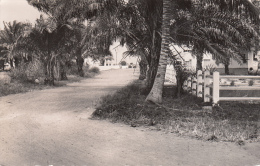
(232, 83)
(19, 73)
(94, 70)
(34, 70)
(123, 63)
(210, 68)
(251, 83)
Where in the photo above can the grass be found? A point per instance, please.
(186, 116)
(239, 93)
(22, 86)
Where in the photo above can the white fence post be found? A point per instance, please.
(194, 86)
(206, 86)
(199, 83)
(215, 87)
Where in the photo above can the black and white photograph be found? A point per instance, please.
(129, 82)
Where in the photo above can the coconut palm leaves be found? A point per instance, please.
(208, 29)
(239, 8)
(11, 37)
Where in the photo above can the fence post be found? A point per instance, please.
(215, 87)
(206, 86)
(199, 83)
(194, 86)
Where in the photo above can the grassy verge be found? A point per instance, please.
(17, 86)
(186, 116)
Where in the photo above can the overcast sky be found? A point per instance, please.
(18, 10)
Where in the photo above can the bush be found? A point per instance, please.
(19, 73)
(251, 83)
(34, 70)
(123, 63)
(94, 70)
(27, 71)
(232, 83)
(211, 68)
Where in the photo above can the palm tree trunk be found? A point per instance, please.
(227, 67)
(63, 73)
(153, 62)
(143, 68)
(80, 62)
(155, 94)
(199, 60)
(151, 73)
(49, 77)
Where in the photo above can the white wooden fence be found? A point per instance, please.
(208, 86)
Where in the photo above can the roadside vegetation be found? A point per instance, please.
(41, 55)
(183, 116)
(21, 83)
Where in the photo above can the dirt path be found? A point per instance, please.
(52, 127)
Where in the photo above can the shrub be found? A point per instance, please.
(27, 71)
(211, 68)
(19, 73)
(251, 83)
(34, 70)
(123, 63)
(232, 83)
(94, 70)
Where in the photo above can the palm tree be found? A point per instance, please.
(232, 6)
(208, 29)
(11, 37)
(155, 94)
(64, 13)
(63, 30)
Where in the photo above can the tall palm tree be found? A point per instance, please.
(222, 34)
(10, 37)
(141, 32)
(63, 30)
(155, 94)
(66, 12)
(234, 7)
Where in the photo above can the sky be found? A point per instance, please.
(18, 10)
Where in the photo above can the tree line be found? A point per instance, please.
(77, 28)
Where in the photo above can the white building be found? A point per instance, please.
(117, 52)
(252, 61)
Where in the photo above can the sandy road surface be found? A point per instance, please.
(52, 127)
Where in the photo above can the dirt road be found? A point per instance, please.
(52, 127)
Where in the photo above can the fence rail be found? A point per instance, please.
(208, 86)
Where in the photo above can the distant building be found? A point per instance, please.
(114, 61)
(252, 60)
(117, 52)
